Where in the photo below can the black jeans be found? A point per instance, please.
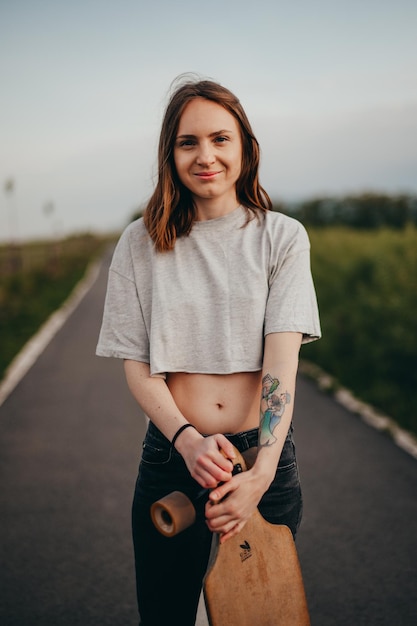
(170, 570)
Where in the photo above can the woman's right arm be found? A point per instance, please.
(206, 464)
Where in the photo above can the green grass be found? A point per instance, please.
(366, 285)
(34, 281)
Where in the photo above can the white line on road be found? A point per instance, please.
(24, 360)
(404, 439)
(37, 344)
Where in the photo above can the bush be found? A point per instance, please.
(364, 211)
(36, 282)
(367, 290)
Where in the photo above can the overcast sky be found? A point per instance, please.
(330, 88)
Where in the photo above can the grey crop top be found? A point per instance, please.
(206, 306)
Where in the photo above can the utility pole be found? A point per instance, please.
(9, 189)
(15, 258)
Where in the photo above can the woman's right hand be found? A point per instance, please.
(207, 458)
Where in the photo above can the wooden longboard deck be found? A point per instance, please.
(254, 579)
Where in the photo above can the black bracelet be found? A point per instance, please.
(179, 431)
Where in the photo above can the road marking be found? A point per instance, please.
(404, 439)
(31, 351)
(22, 363)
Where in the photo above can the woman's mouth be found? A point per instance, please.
(206, 175)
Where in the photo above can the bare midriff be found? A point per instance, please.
(218, 403)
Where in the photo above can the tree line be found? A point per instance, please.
(368, 210)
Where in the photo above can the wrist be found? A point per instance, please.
(184, 435)
(179, 433)
(263, 476)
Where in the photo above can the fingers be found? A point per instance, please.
(211, 469)
(208, 479)
(234, 531)
(226, 528)
(230, 505)
(210, 462)
(227, 448)
(221, 517)
(220, 492)
(221, 524)
(218, 461)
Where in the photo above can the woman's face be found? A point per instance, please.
(208, 153)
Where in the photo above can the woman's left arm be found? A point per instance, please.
(245, 490)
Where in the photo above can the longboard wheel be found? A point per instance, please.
(173, 513)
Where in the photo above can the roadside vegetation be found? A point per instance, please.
(35, 279)
(365, 274)
(364, 262)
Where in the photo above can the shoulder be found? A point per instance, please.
(286, 231)
(134, 232)
(134, 236)
(133, 242)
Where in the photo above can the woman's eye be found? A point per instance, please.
(186, 143)
(221, 139)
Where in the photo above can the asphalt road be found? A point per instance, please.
(70, 440)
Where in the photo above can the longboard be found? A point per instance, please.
(254, 578)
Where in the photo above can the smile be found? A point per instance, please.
(206, 175)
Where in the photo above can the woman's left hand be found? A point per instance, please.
(231, 504)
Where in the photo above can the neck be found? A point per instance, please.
(214, 208)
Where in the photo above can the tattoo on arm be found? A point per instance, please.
(273, 403)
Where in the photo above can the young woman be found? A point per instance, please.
(209, 298)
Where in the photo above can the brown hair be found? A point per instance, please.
(170, 212)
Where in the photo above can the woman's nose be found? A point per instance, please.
(205, 155)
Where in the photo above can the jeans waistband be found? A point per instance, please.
(242, 441)
(249, 438)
